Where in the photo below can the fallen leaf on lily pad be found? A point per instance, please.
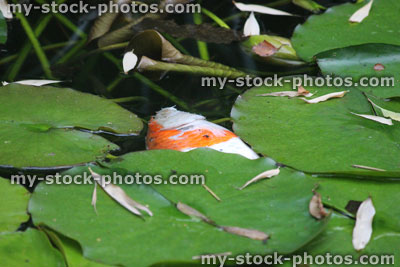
(249, 233)
(119, 195)
(375, 118)
(192, 212)
(325, 97)
(265, 49)
(362, 231)
(316, 207)
(263, 175)
(300, 92)
(362, 13)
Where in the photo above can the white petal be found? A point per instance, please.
(33, 82)
(375, 118)
(5, 10)
(363, 229)
(261, 9)
(129, 62)
(251, 27)
(362, 13)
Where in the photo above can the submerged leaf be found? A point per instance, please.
(361, 13)
(260, 9)
(325, 97)
(375, 118)
(362, 231)
(251, 26)
(263, 175)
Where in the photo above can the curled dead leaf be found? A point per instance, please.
(386, 113)
(300, 92)
(249, 233)
(263, 175)
(325, 97)
(362, 231)
(316, 208)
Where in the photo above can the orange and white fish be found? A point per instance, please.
(183, 131)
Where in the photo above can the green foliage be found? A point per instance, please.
(333, 30)
(40, 126)
(321, 138)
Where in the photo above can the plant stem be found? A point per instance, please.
(215, 18)
(36, 45)
(202, 46)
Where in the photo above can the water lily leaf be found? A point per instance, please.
(238, 211)
(3, 29)
(13, 210)
(368, 60)
(321, 138)
(333, 30)
(38, 126)
(336, 240)
(31, 247)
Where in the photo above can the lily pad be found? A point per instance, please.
(13, 209)
(368, 60)
(41, 126)
(265, 206)
(337, 240)
(333, 30)
(319, 138)
(29, 248)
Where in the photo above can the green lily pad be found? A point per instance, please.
(29, 248)
(319, 138)
(40, 126)
(13, 209)
(337, 240)
(333, 30)
(275, 207)
(368, 60)
(3, 29)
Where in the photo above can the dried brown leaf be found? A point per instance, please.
(265, 49)
(263, 175)
(189, 211)
(249, 233)
(325, 97)
(316, 208)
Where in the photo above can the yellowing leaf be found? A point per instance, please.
(362, 13)
(263, 175)
(260, 9)
(325, 97)
(375, 118)
(363, 229)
